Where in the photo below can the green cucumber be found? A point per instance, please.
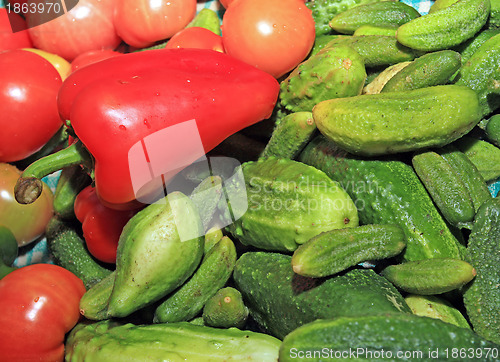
(378, 83)
(484, 155)
(482, 297)
(395, 337)
(290, 136)
(280, 300)
(393, 122)
(430, 276)
(493, 130)
(213, 273)
(482, 74)
(468, 48)
(212, 237)
(387, 192)
(376, 50)
(94, 303)
(72, 180)
(381, 13)
(494, 19)
(445, 28)
(435, 307)
(334, 251)
(375, 30)
(429, 70)
(225, 309)
(446, 188)
(440, 5)
(333, 72)
(69, 251)
(324, 10)
(183, 341)
(468, 173)
(287, 203)
(159, 249)
(208, 19)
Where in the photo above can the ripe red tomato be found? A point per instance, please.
(140, 23)
(196, 37)
(8, 39)
(88, 26)
(39, 304)
(28, 94)
(91, 57)
(272, 35)
(27, 222)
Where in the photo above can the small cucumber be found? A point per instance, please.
(94, 303)
(482, 74)
(333, 72)
(324, 10)
(208, 19)
(69, 251)
(375, 30)
(393, 122)
(468, 173)
(482, 296)
(288, 203)
(378, 83)
(71, 181)
(225, 309)
(212, 237)
(429, 70)
(494, 19)
(290, 136)
(430, 276)
(213, 273)
(334, 251)
(440, 5)
(395, 337)
(493, 130)
(446, 188)
(484, 155)
(445, 28)
(159, 249)
(382, 13)
(377, 50)
(114, 342)
(437, 308)
(468, 48)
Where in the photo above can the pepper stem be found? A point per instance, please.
(29, 186)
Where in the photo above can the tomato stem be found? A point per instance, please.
(29, 186)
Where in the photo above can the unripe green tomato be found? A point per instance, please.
(27, 222)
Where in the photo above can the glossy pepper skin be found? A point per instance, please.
(119, 103)
(101, 225)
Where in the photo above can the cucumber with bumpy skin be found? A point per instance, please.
(94, 303)
(386, 191)
(484, 155)
(445, 28)
(430, 276)
(225, 309)
(436, 307)
(375, 30)
(493, 129)
(334, 251)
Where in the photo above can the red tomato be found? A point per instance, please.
(92, 56)
(196, 37)
(39, 304)
(27, 222)
(272, 35)
(8, 39)
(28, 94)
(88, 26)
(140, 23)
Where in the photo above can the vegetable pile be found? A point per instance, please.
(285, 180)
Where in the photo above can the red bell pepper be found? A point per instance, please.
(39, 304)
(123, 108)
(101, 225)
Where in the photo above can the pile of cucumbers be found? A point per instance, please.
(368, 229)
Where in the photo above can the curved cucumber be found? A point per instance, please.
(426, 71)
(387, 192)
(365, 338)
(437, 308)
(482, 298)
(94, 303)
(334, 251)
(383, 13)
(445, 28)
(445, 187)
(213, 273)
(430, 276)
(393, 122)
